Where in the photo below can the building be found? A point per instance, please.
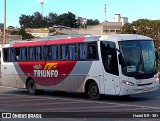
(101, 29)
(82, 21)
(105, 27)
(118, 18)
(41, 32)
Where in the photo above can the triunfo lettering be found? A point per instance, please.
(47, 71)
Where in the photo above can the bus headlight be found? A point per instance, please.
(128, 83)
(156, 79)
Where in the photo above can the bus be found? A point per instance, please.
(120, 64)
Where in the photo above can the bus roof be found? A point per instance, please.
(122, 37)
(60, 39)
(64, 39)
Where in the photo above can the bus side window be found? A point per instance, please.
(38, 53)
(17, 54)
(92, 51)
(109, 57)
(31, 53)
(47, 52)
(72, 52)
(8, 54)
(23, 54)
(54, 52)
(83, 51)
(64, 52)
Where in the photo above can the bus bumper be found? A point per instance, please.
(129, 90)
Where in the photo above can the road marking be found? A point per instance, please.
(96, 108)
(85, 101)
(19, 100)
(91, 101)
(37, 104)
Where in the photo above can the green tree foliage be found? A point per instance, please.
(37, 20)
(51, 19)
(67, 19)
(92, 22)
(26, 21)
(145, 27)
(128, 29)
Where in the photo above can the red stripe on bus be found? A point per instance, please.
(43, 73)
(66, 41)
(41, 43)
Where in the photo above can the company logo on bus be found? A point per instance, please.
(49, 70)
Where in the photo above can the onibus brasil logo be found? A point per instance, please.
(49, 70)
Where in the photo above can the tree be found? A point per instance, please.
(37, 20)
(67, 19)
(150, 28)
(26, 21)
(127, 29)
(51, 19)
(92, 22)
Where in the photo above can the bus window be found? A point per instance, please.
(72, 52)
(64, 52)
(23, 54)
(31, 53)
(83, 51)
(92, 51)
(38, 53)
(88, 51)
(109, 57)
(8, 54)
(47, 52)
(54, 52)
(17, 54)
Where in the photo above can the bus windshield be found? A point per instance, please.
(138, 58)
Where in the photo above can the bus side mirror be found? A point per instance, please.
(120, 59)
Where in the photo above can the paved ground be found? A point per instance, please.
(55, 104)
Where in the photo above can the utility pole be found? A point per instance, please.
(4, 32)
(42, 3)
(105, 11)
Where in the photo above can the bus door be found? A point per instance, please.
(111, 74)
(110, 64)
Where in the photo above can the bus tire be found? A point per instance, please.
(31, 87)
(93, 91)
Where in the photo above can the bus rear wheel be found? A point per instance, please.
(93, 91)
(31, 87)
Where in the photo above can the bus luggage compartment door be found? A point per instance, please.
(8, 76)
(111, 84)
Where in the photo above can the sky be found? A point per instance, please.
(90, 9)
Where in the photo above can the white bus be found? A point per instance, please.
(122, 64)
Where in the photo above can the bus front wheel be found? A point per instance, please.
(31, 87)
(93, 91)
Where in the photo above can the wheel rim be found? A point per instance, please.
(94, 90)
(32, 87)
